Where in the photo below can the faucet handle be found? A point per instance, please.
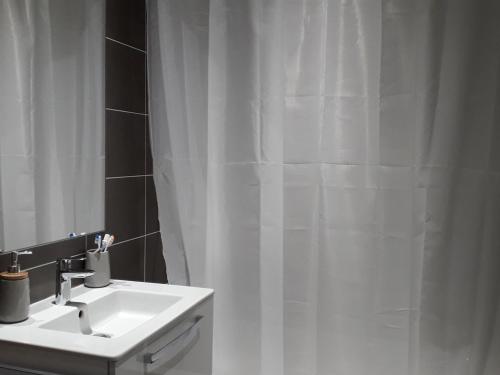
(62, 264)
(73, 266)
(69, 264)
(16, 253)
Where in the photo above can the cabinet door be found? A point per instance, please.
(186, 349)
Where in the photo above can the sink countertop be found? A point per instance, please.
(31, 333)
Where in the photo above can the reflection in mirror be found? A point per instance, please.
(52, 120)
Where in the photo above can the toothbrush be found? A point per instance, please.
(105, 242)
(109, 242)
(98, 242)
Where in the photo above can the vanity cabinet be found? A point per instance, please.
(183, 346)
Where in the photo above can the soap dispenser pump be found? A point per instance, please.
(14, 291)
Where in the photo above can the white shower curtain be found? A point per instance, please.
(51, 120)
(331, 168)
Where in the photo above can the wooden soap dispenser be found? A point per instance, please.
(14, 291)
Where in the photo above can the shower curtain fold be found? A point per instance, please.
(331, 169)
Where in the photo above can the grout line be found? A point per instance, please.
(53, 262)
(125, 44)
(39, 266)
(123, 111)
(79, 254)
(145, 227)
(128, 240)
(136, 176)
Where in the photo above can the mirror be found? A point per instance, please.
(51, 120)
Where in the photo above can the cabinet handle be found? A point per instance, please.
(179, 343)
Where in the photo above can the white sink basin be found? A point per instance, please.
(105, 322)
(113, 314)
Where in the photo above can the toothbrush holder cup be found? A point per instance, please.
(98, 262)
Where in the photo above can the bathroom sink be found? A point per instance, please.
(113, 314)
(105, 322)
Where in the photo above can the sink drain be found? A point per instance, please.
(99, 334)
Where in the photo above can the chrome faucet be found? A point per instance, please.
(66, 270)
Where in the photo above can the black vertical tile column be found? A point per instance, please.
(131, 207)
(126, 22)
(125, 78)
